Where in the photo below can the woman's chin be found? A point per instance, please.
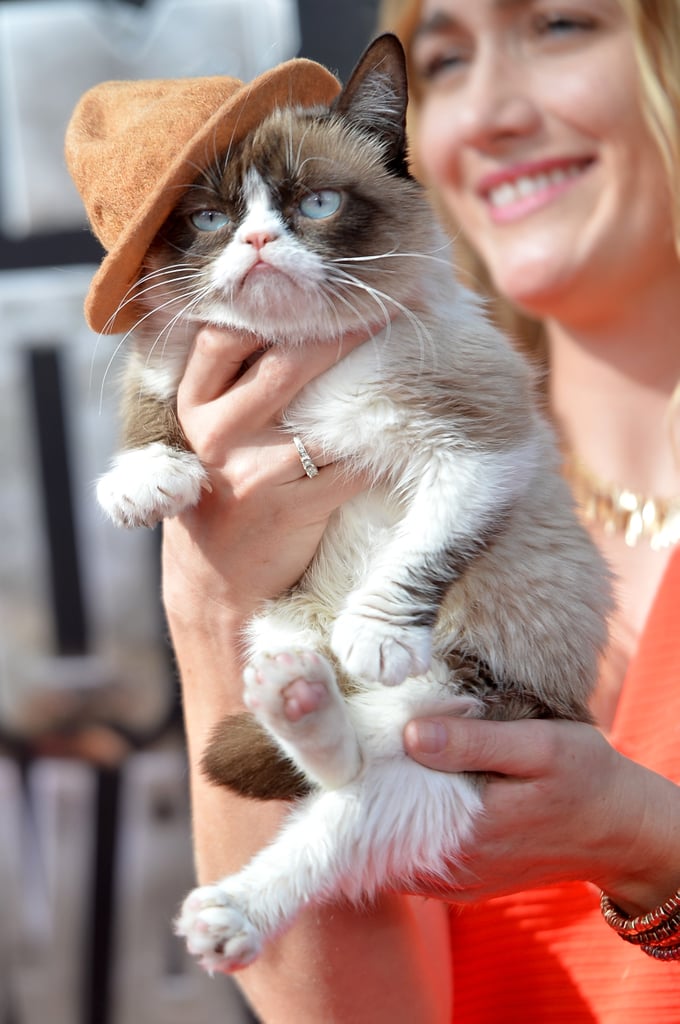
(535, 285)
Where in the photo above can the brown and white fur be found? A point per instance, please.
(459, 582)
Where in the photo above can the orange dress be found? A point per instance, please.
(546, 956)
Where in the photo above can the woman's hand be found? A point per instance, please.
(561, 804)
(248, 539)
(255, 531)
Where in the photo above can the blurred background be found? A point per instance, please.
(95, 850)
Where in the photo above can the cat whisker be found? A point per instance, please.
(226, 155)
(299, 165)
(172, 300)
(376, 267)
(370, 326)
(392, 255)
(316, 159)
(338, 295)
(108, 366)
(292, 163)
(333, 311)
(209, 182)
(132, 293)
(382, 299)
(158, 281)
(377, 294)
(357, 315)
(194, 298)
(164, 336)
(165, 274)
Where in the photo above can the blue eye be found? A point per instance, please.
(319, 205)
(209, 220)
(559, 24)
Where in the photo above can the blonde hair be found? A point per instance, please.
(655, 26)
(656, 37)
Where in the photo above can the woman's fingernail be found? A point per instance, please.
(426, 737)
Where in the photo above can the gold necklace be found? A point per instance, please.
(619, 510)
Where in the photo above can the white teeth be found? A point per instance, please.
(503, 195)
(528, 185)
(525, 186)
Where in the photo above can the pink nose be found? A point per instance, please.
(258, 239)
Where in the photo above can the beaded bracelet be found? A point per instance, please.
(657, 933)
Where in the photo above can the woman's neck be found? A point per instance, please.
(612, 393)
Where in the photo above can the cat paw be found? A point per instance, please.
(371, 649)
(217, 930)
(289, 690)
(145, 485)
(295, 696)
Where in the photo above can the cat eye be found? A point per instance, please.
(319, 205)
(209, 220)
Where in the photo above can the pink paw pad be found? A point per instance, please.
(303, 697)
(288, 685)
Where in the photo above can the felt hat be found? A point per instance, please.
(133, 147)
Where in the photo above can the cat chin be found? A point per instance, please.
(283, 329)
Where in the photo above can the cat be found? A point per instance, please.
(460, 582)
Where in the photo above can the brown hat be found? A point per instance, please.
(132, 147)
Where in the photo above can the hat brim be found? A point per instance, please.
(299, 82)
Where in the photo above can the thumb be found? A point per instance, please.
(451, 744)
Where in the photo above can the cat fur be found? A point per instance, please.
(459, 582)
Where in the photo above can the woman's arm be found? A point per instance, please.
(250, 537)
(563, 805)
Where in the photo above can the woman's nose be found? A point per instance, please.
(497, 105)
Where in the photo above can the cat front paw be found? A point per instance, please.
(376, 650)
(145, 485)
(217, 930)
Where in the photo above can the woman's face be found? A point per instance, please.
(531, 129)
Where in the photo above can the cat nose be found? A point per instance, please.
(259, 238)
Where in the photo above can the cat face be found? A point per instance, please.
(303, 232)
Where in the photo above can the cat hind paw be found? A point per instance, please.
(217, 931)
(145, 485)
(294, 694)
(288, 689)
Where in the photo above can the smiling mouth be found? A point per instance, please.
(527, 186)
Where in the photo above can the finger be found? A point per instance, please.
(331, 488)
(258, 395)
(215, 362)
(521, 748)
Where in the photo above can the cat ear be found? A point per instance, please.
(376, 96)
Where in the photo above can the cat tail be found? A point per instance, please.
(242, 756)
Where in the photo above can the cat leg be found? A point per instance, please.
(155, 476)
(227, 924)
(145, 485)
(460, 502)
(400, 823)
(295, 696)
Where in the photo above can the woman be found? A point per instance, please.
(534, 130)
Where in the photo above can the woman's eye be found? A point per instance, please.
(559, 23)
(319, 205)
(209, 220)
(439, 64)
